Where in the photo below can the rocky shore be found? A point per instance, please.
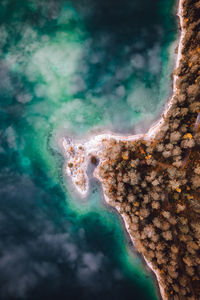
(153, 180)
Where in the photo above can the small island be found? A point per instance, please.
(153, 179)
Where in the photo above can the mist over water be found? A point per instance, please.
(73, 67)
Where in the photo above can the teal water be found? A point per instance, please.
(73, 67)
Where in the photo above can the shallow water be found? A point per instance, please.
(73, 67)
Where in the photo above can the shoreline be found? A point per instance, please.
(126, 227)
(94, 147)
(95, 143)
(124, 161)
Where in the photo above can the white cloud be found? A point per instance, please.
(154, 61)
(138, 61)
(11, 137)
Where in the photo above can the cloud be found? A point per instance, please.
(3, 36)
(20, 273)
(5, 80)
(92, 262)
(138, 61)
(141, 98)
(34, 249)
(24, 98)
(154, 60)
(11, 137)
(89, 267)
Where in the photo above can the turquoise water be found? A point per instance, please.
(72, 68)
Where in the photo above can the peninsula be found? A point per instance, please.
(153, 179)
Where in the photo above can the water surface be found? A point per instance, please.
(73, 67)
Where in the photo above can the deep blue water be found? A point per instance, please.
(72, 67)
